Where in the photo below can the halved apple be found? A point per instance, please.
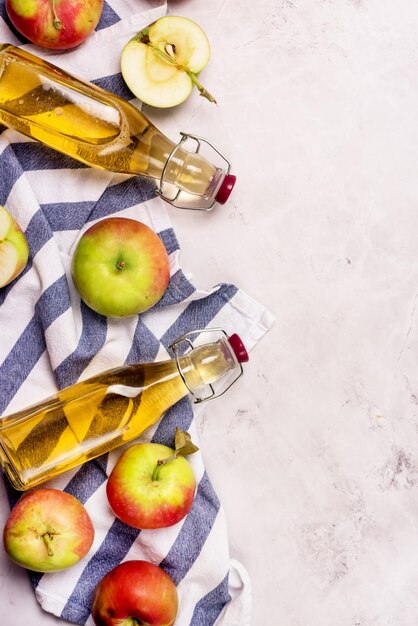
(14, 249)
(161, 63)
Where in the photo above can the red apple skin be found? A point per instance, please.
(120, 267)
(44, 511)
(135, 590)
(34, 19)
(138, 500)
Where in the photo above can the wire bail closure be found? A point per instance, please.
(209, 202)
(174, 347)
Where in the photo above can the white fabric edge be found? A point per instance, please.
(239, 609)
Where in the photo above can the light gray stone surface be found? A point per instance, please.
(314, 454)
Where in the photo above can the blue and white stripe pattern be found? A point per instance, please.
(49, 339)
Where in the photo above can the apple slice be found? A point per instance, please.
(161, 63)
(14, 249)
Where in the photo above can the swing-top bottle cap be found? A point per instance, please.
(238, 347)
(225, 189)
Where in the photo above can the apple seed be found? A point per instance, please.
(167, 54)
(170, 49)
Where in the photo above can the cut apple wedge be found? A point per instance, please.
(161, 63)
(14, 250)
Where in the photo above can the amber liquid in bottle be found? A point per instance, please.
(97, 415)
(92, 125)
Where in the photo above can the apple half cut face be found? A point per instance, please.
(161, 63)
(14, 249)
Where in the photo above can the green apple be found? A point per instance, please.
(151, 486)
(133, 593)
(48, 530)
(162, 62)
(120, 267)
(14, 249)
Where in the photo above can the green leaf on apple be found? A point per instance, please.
(183, 443)
(183, 446)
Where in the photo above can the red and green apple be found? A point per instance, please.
(151, 487)
(58, 24)
(135, 592)
(48, 530)
(162, 62)
(120, 267)
(14, 249)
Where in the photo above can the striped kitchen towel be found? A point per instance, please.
(50, 339)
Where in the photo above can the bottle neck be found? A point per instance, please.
(193, 174)
(206, 365)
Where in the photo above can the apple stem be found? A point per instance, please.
(162, 462)
(168, 56)
(203, 92)
(56, 21)
(48, 539)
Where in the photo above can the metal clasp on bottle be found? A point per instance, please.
(180, 195)
(178, 352)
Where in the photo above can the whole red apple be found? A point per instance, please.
(48, 530)
(58, 24)
(120, 267)
(144, 494)
(135, 592)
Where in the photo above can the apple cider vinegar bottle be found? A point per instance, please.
(101, 413)
(102, 130)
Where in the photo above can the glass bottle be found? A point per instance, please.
(105, 411)
(102, 130)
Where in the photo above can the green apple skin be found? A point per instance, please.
(48, 530)
(135, 592)
(35, 20)
(14, 249)
(161, 63)
(120, 267)
(145, 498)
